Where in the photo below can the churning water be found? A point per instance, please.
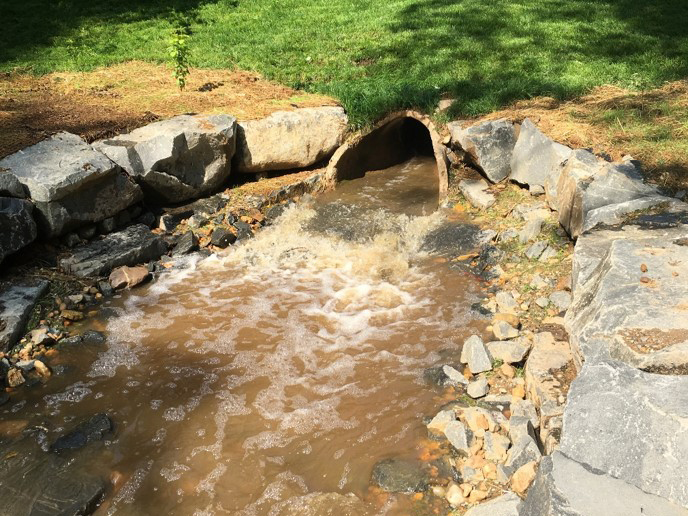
(288, 365)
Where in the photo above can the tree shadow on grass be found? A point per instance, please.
(492, 54)
(34, 24)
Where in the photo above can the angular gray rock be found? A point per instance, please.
(489, 144)
(17, 299)
(536, 158)
(70, 183)
(522, 452)
(502, 330)
(506, 303)
(565, 487)
(630, 425)
(561, 299)
(475, 355)
(509, 351)
(475, 192)
(455, 432)
(133, 245)
(614, 214)
(587, 183)
(290, 139)
(621, 312)
(10, 185)
(177, 159)
(478, 388)
(535, 251)
(530, 231)
(507, 504)
(17, 227)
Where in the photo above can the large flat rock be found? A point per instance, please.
(17, 299)
(536, 159)
(177, 159)
(565, 487)
(133, 245)
(630, 298)
(630, 425)
(17, 227)
(290, 139)
(489, 144)
(70, 183)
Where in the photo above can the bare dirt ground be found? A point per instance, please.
(118, 98)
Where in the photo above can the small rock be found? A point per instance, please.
(522, 452)
(478, 388)
(505, 505)
(523, 477)
(244, 231)
(187, 243)
(508, 234)
(222, 237)
(475, 192)
(510, 351)
(531, 231)
(41, 369)
(129, 277)
(72, 315)
(535, 250)
(107, 225)
(561, 299)
(538, 282)
(15, 377)
(506, 303)
(441, 420)
(542, 302)
(454, 375)
(519, 392)
(477, 495)
(478, 420)
(455, 432)
(503, 331)
(507, 371)
(496, 446)
(549, 253)
(475, 355)
(512, 319)
(454, 495)
(536, 190)
(25, 365)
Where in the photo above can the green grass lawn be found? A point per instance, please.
(373, 55)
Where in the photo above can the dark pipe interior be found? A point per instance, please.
(384, 147)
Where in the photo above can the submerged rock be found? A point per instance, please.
(91, 430)
(135, 244)
(399, 476)
(322, 504)
(128, 277)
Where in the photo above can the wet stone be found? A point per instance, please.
(244, 231)
(91, 430)
(222, 237)
(187, 243)
(399, 476)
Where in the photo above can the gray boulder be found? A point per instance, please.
(621, 312)
(475, 192)
(290, 139)
(177, 159)
(587, 183)
(536, 158)
(565, 487)
(133, 245)
(16, 302)
(489, 145)
(630, 425)
(70, 183)
(17, 227)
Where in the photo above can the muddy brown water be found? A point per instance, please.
(288, 365)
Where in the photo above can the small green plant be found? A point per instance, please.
(179, 53)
